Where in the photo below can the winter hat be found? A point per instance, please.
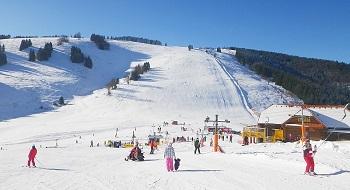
(33, 146)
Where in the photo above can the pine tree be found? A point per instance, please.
(3, 57)
(77, 35)
(190, 47)
(76, 56)
(32, 55)
(25, 44)
(146, 67)
(61, 100)
(88, 62)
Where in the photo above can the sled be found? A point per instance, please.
(127, 145)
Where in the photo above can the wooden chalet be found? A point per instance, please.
(319, 121)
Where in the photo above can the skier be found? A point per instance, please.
(91, 143)
(116, 133)
(196, 146)
(230, 138)
(169, 155)
(245, 140)
(308, 157)
(152, 145)
(32, 155)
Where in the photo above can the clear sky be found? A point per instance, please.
(311, 28)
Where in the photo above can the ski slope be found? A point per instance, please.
(182, 85)
(259, 92)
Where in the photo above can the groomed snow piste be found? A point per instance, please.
(182, 85)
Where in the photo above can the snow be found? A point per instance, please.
(260, 93)
(278, 114)
(182, 85)
(333, 117)
(36, 85)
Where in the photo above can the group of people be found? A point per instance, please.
(170, 157)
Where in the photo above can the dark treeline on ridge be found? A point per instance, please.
(315, 81)
(137, 39)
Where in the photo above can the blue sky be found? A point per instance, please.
(311, 28)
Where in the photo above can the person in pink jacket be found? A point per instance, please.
(32, 155)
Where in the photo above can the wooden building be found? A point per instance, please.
(318, 121)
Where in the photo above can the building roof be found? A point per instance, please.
(331, 116)
(278, 114)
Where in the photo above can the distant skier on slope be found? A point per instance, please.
(31, 156)
(308, 157)
(196, 146)
(169, 155)
(152, 144)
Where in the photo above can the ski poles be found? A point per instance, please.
(39, 162)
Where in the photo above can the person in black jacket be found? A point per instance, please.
(196, 146)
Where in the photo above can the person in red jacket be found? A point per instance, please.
(32, 155)
(152, 145)
(309, 158)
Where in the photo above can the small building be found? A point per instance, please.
(336, 119)
(319, 122)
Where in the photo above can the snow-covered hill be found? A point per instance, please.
(259, 93)
(182, 85)
(31, 87)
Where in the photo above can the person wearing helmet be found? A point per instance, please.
(309, 158)
(31, 156)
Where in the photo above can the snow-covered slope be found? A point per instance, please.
(182, 85)
(32, 87)
(260, 93)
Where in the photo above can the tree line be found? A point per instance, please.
(25, 44)
(315, 81)
(137, 39)
(77, 56)
(138, 70)
(44, 54)
(3, 36)
(100, 41)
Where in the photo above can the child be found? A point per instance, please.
(309, 158)
(177, 163)
(31, 156)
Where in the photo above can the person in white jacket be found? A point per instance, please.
(169, 155)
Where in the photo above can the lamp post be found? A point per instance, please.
(216, 136)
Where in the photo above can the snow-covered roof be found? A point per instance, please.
(278, 114)
(332, 117)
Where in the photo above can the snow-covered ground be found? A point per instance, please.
(32, 87)
(260, 93)
(182, 85)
